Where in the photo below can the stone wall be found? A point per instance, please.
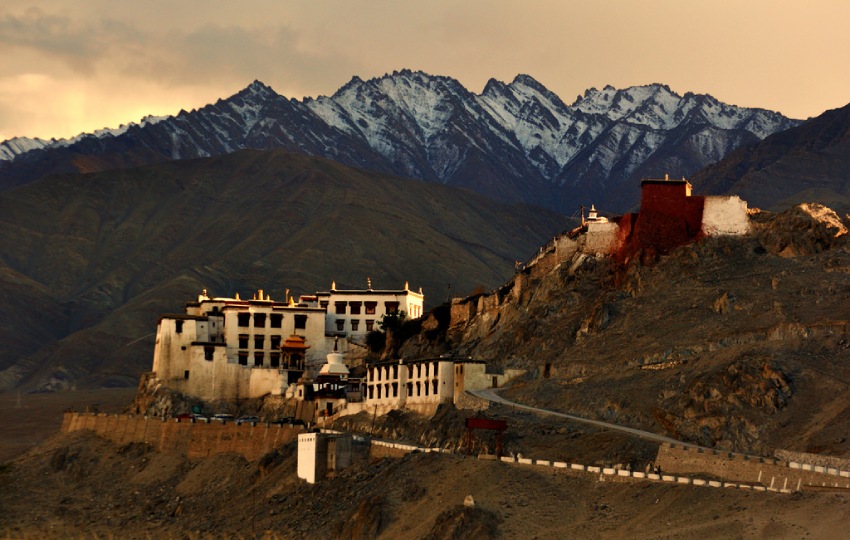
(802, 458)
(601, 238)
(193, 439)
(729, 466)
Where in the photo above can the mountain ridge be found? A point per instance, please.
(514, 141)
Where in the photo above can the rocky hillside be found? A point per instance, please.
(514, 142)
(741, 343)
(89, 262)
(83, 486)
(810, 162)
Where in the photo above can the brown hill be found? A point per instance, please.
(89, 262)
(807, 163)
(79, 485)
(741, 343)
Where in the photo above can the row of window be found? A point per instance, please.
(354, 307)
(391, 372)
(355, 325)
(275, 320)
(259, 359)
(259, 341)
(417, 389)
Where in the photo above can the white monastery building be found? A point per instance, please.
(230, 348)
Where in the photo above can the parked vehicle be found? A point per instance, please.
(221, 417)
(247, 419)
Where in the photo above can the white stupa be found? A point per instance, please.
(335, 365)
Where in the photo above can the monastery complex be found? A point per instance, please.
(232, 349)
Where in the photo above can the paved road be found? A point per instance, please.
(491, 395)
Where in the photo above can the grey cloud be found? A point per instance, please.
(80, 45)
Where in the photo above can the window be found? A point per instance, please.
(186, 374)
(258, 359)
(370, 307)
(259, 320)
(208, 353)
(275, 320)
(178, 327)
(324, 304)
(275, 360)
(275, 342)
(355, 324)
(300, 322)
(340, 325)
(259, 341)
(244, 319)
(340, 307)
(243, 359)
(369, 325)
(243, 341)
(355, 307)
(392, 307)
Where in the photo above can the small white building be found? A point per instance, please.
(322, 454)
(422, 385)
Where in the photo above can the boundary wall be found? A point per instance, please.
(831, 463)
(731, 466)
(381, 449)
(193, 439)
(611, 474)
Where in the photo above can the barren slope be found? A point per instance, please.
(739, 343)
(81, 485)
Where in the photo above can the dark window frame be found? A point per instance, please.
(276, 320)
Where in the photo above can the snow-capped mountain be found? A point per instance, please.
(516, 141)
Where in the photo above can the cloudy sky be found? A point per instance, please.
(74, 66)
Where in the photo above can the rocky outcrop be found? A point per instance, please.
(721, 408)
(804, 229)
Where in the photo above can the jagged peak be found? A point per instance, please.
(416, 77)
(257, 89)
(493, 85)
(528, 80)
